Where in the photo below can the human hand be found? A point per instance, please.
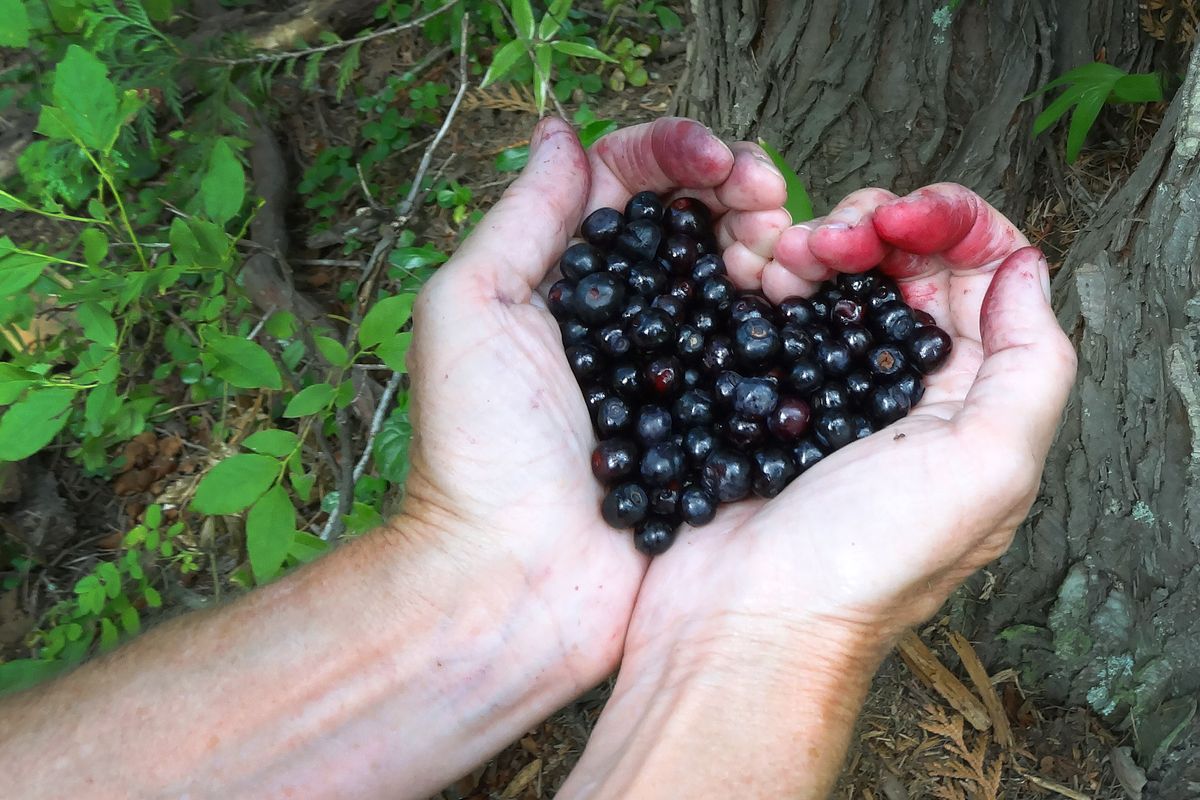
(502, 438)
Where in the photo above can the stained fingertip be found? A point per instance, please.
(928, 221)
(752, 185)
(848, 247)
(1017, 302)
(691, 154)
(793, 253)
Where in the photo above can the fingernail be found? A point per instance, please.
(844, 218)
(546, 127)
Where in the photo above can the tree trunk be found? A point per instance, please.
(885, 93)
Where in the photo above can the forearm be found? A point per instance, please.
(385, 669)
(721, 717)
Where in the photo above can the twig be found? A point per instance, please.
(265, 58)
(329, 262)
(253, 334)
(381, 410)
(362, 182)
(405, 208)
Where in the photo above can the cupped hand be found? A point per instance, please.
(875, 536)
(502, 437)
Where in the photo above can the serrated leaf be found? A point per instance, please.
(523, 17)
(223, 188)
(385, 318)
(87, 98)
(798, 203)
(243, 363)
(309, 400)
(235, 483)
(32, 423)
(15, 30)
(581, 51)
(503, 62)
(272, 442)
(270, 530)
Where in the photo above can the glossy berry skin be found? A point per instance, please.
(830, 397)
(639, 239)
(789, 421)
(593, 396)
(833, 430)
(923, 318)
(797, 311)
(664, 501)
(856, 285)
(756, 342)
(683, 289)
(679, 251)
(858, 385)
(929, 348)
(688, 216)
(718, 355)
(614, 460)
(886, 404)
(727, 475)
(860, 426)
(617, 264)
(806, 454)
(652, 329)
(613, 416)
(882, 293)
(894, 322)
(697, 507)
(574, 332)
(633, 306)
(708, 266)
(795, 343)
(689, 344)
(749, 306)
(601, 226)
(598, 298)
(612, 341)
(716, 290)
(910, 384)
(773, 471)
(625, 381)
(692, 377)
(579, 261)
(755, 398)
(654, 536)
(664, 377)
(857, 338)
(644, 206)
(694, 408)
(625, 506)
(886, 361)
(805, 377)
(704, 320)
(820, 333)
(834, 357)
(653, 425)
(743, 432)
(662, 463)
(585, 361)
(672, 306)
(846, 312)
(697, 444)
(725, 388)
(647, 279)
(560, 299)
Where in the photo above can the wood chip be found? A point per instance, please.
(1058, 788)
(522, 779)
(926, 666)
(983, 685)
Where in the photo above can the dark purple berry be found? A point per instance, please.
(689, 343)
(883, 293)
(662, 463)
(613, 460)
(894, 322)
(664, 501)
(830, 397)
(694, 407)
(679, 251)
(834, 357)
(601, 226)
(561, 299)
(743, 432)
(613, 416)
(846, 312)
(626, 382)
(823, 302)
(652, 329)
(910, 384)
(859, 386)
(755, 342)
(664, 377)
(586, 362)
(755, 398)
(806, 454)
(805, 377)
(789, 421)
(797, 311)
(675, 308)
(696, 506)
(692, 377)
(654, 536)
(725, 388)
(639, 239)
(647, 279)
(750, 306)
(886, 361)
(687, 215)
(727, 475)
(653, 425)
(833, 430)
(886, 404)
(857, 338)
(820, 332)
(682, 288)
(633, 306)
(856, 285)
(923, 318)
(718, 355)
(861, 426)
(617, 264)
(697, 444)
(795, 343)
(594, 396)
(644, 206)
(704, 320)
(773, 471)
(598, 298)
(709, 266)
(612, 341)
(929, 348)
(625, 506)
(716, 290)
(579, 261)
(574, 332)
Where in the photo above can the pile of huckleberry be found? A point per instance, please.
(700, 394)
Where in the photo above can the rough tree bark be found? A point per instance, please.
(1099, 600)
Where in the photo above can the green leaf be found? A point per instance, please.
(152, 597)
(184, 245)
(243, 363)
(102, 402)
(18, 675)
(544, 57)
(1082, 119)
(235, 483)
(668, 19)
(1057, 108)
(386, 317)
(513, 159)
(417, 257)
(394, 351)
(223, 188)
(590, 133)
(309, 400)
(87, 98)
(15, 30)
(270, 530)
(31, 424)
(523, 17)
(1138, 89)
(798, 204)
(305, 547)
(333, 351)
(581, 51)
(108, 635)
(98, 324)
(553, 19)
(303, 484)
(503, 61)
(272, 442)
(390, 449)
(107, 572)
(95, 246)
(130, 620)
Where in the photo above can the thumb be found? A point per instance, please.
(519, 240)
(1029, 363)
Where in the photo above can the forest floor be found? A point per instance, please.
(933, 726)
